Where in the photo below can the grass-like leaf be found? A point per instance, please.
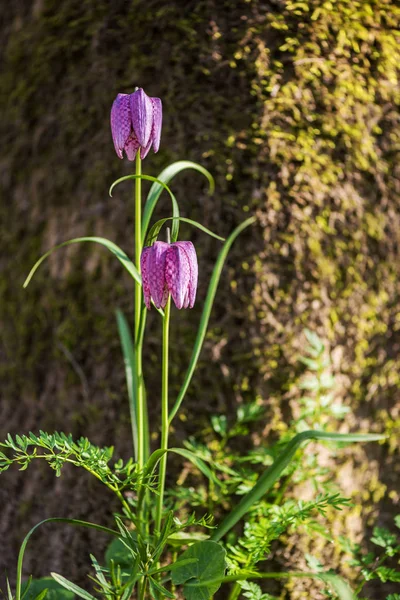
(72, 587)
(201, 332)
(75, 522)
(156, 189)
(160, 187)
(128, 351)
(155, 230)
(116, 250)
(273, 473)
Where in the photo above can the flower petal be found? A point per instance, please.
(177, 273)
(194, 269)
(144, 151)
(156, 273)
(142, 116)
(157, 123)
(121, 125)
(145, 277)
(131, 146)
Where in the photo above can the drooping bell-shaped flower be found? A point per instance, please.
(136, 124)
(169, 269)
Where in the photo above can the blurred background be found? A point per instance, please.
(294, 108)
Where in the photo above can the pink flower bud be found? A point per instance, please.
(169, 269)
(136, 124)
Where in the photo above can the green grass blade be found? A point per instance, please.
(75, 522)
(155, 230)
(72, 587)
(160, 187)
(197, 462)
(128, 351)
(212, 288)
(339, 585)
(272, 474)
(116, 250)
(155, 191)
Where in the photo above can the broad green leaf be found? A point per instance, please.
(201, 332)
(210, 565)
(157, 182)
(155, 230)
(113, 248)
(165, 177)
(128, 351)
(72, 587)
(120, 554)
(273, 473)
(55, 591)
(197, 462)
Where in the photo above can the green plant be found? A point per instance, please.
(160, 546)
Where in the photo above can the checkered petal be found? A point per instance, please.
(157, 123)
(156, 266)
(121, 125)
(177, 273)
(194, 271)
(145, 276)
(142, 116)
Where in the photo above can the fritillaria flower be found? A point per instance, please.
(136, 124)
(169, 269)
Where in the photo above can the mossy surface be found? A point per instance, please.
(293, 106)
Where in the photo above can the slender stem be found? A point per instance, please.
(164, 414)
(138, 309)
(142, 589)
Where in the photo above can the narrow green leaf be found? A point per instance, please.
(72, 587)
(164, 177)
(128, 351)
(197, 462)
(160, 186)
(158, 590)
(75, 522)
(155, 230)
(172, 566)
(341, 588)
(46, 587)
(272, 474)
(201, 332)
(116, 250)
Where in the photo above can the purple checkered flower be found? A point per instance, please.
(136, 124)
(169, 269)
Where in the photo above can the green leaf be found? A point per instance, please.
(113, 248)
(197, 462)
(128, 351)
(47, 588)
(164, 177)
(72, 587)
(119, 553)
(339, 585)
(210, 565)
(75, 522)
(160, 186)
(273, 473)
(155, 230)
(158, 591)
(201, 332)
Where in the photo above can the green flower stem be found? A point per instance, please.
(164, 414)
(138, 309)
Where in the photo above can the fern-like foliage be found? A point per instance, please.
(58, 449)
(268, 522)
